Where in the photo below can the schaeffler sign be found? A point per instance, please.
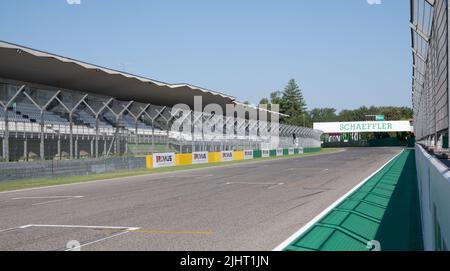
(363, 127)
(199, 157)
(163, 160)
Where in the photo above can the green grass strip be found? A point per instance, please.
(26, 184)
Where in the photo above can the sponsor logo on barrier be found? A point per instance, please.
(227, 156)
(265, 153)
(279, 152)
(199, 157)
(301, 150)
(163, 160)
(291, 151)
(248, 155)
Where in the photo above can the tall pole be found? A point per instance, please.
(153, 136)
(42, 136)
(136, 139)
(70, 136)
(6, 137)
(96, 136)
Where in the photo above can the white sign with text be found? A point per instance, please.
(163, 160)
(199, 157)
(248, 155)
(227, 156)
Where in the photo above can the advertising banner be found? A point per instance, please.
(163, 160)
(199, 157)
(279, 152)
(265, 153)
(227, 156)
(363, 127)
(248, 155)
(291, 151)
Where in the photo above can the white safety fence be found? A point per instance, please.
(434, 192)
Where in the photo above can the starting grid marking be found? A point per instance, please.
(120, 231)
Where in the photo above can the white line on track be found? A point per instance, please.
(80, 227)
(308, 225)
(10, 229)
(271, 185)
(123, 230)
(96, 241)
(53, 199)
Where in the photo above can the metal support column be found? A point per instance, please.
(25, 149)
(41, 145)
(71, 136)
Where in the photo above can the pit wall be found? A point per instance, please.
(434, 192)
(216, 157)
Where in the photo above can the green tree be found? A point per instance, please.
(264, 101)
(276, 97)
(323, 115)
(293, 104)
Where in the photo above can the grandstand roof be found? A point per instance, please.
(30, 65)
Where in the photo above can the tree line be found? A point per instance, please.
(292, 102)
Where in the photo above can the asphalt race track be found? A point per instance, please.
(253, 206)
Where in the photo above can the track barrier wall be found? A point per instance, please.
(215, 157)
(227, 156)
(65, 168)
(239, 155)
(183, 159)
(273, 153)
(248, 155)
(434, 192)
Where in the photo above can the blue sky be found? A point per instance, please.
(343, 53)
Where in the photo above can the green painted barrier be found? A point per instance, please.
(296, 151)
(273, 153)
(257, 154)
(285, 152)
(385, 209)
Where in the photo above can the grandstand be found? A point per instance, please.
(53, 107)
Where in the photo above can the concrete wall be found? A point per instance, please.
(56, 168)
(434, 191)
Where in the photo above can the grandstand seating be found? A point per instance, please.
(117, 128)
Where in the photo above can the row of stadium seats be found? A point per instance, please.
(23, 112)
